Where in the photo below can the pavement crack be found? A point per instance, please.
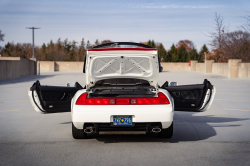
(196, 131)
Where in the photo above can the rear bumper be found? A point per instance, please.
(140, 114)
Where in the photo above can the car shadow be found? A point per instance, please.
(187, 127)
(24, 79)
(66, 122)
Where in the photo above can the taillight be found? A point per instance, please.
(83, 100)
(161, 99)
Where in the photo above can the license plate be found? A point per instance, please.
(122, 120)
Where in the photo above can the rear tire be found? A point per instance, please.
(78, 133)
(167, 133)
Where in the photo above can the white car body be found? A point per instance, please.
(104, 114)
(119, 63)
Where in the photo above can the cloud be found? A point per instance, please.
(173, 6)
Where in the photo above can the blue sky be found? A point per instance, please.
(165, 21)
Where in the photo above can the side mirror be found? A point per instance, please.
(173, 84)
(71, 84)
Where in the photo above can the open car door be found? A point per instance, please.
(194, 98)
(52, 99)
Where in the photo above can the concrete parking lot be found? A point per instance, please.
(219, 136)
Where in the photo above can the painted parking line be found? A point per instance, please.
(231, 94)
(233, 89)
(8, 94)
(235, 109)
(232, 100)
(14, 101)
(9, 110)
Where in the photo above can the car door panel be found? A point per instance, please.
(192, 97)
(51, 99)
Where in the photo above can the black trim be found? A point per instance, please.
(122, 126)
(137, 126)
(165, 85)
(84, 64)
(35, 102)
(59, 88)
(79, 85)
(122, 43)
(159, 65)
(211, 90)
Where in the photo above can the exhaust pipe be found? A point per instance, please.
(89, 130)
(156, 130)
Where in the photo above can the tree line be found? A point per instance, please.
(183, 51)
(65, 50)
(225, 45)
(61, 50)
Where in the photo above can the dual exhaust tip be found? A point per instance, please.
(89, 130)
(92, 129)
(156, 130)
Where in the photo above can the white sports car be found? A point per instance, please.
(122, 93)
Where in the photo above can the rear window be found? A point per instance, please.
(122, 82)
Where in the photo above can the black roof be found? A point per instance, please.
(113, 44)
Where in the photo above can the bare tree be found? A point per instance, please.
(1, 35)
(217, 34)
(246, 27)
(1, 38)
(236, 45)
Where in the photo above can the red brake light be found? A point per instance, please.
(161, 99)
(81, 100)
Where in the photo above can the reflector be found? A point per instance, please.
(111, 101)
(133, 101)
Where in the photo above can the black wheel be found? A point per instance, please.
(78, 133)
(167, 133)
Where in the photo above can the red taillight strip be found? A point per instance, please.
(123, 49)
(161, 99)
